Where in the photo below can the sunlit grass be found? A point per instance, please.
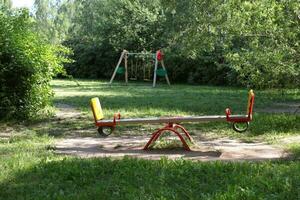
(165, 100)
(294, 149)
(141, 100)
(30, 169)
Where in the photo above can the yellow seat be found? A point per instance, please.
(96, 108)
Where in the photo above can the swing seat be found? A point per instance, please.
(161, 72)
(121, 70)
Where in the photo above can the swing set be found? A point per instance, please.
(143, 60)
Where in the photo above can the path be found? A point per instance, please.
(119, 146)
(287, 108)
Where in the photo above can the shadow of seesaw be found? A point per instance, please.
(139, 153)
(126, 146)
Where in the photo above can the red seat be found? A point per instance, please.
(242, 118)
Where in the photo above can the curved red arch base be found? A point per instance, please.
(172, 128)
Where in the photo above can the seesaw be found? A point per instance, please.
(106, 127)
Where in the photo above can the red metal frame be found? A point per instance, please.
(241, 119)
(172, 128)
(109, 124)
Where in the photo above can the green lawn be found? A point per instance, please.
(141, 100)
(29, 168)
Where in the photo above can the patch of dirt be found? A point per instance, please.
(205, 149)
(290, 140)
(119, 146)
(289, 108)
(6, 132)
(65, 111)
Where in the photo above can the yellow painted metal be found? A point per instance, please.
(97, 110)
(250, 95)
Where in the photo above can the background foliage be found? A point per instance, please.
(245, 43)
(27, 64)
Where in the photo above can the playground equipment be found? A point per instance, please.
(158, 58)
(106, 127)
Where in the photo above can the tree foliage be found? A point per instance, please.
(6, 3)
(234, 42)
(53, 19)
(250, 43)
(27, 64)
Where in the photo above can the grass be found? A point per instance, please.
(30, 169)
(73, 178)
(294, 149)
(141, 100)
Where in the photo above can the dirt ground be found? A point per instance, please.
(119, 146)
(289, 108)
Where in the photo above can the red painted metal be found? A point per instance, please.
(251, 107)
(184, 131)
(116, 116)
(109, 124)
(172, 128)
(159, 55)
(241, 119)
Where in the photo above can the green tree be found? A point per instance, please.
(53, 19)
(6, 3)
(234, 42)
(44, 16)
(257, 42)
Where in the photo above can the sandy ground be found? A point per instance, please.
(119, 146)
(288, 108)
(205, 149)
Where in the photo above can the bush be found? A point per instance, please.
(90, 59)
(27, 65)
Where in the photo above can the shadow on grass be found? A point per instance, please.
(165, 179)
(261, 124)
(275, 123)
(84, 126)
(188, 103)
(140, 100)
(138, 153)
(79, 126)
(294, 149)
(183, 92)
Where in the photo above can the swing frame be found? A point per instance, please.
(158, 59)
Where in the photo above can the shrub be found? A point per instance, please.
(27, 64)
